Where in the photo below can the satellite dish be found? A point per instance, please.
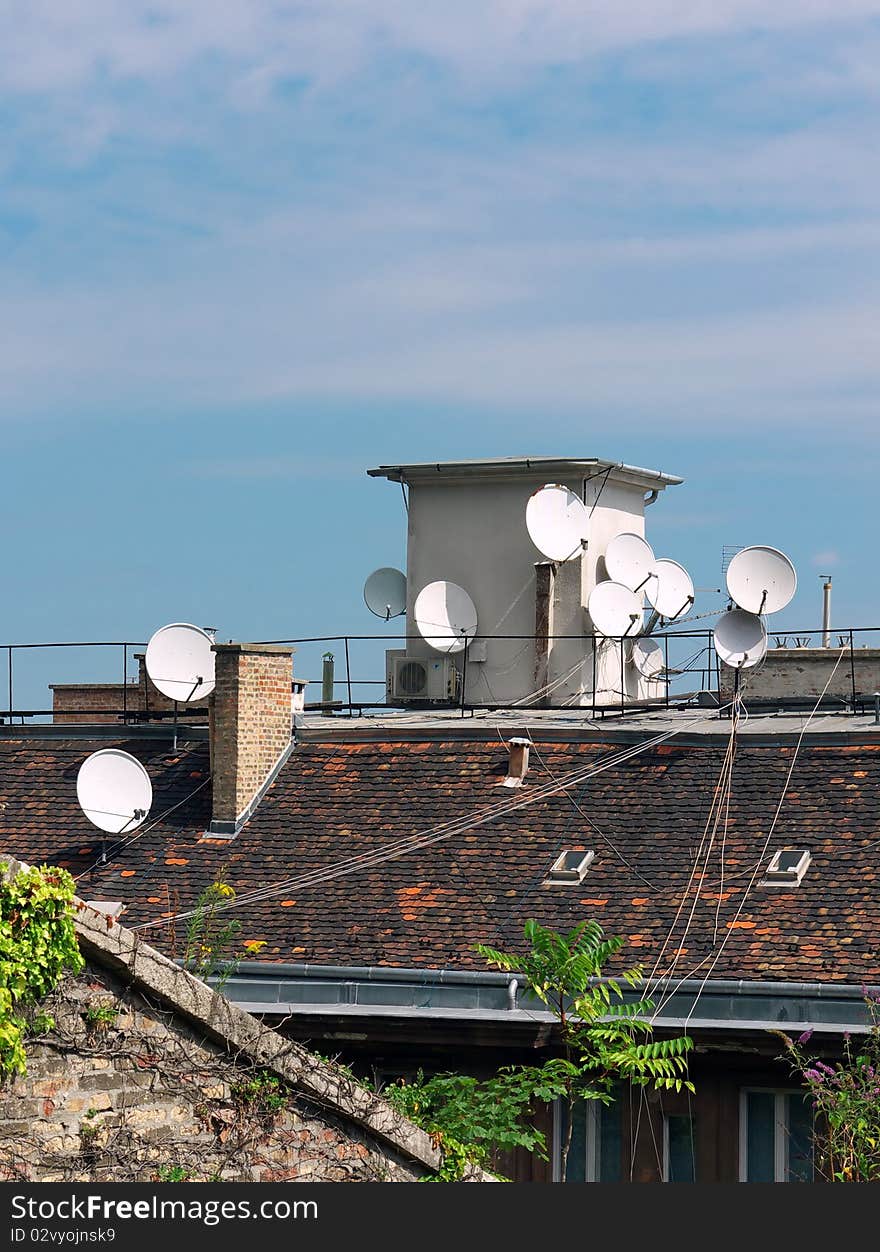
(557, 522)
(761, 580)
(630, 560)
(615, 610)
(445, 616)
(740, 639)
(670, 589)
(114, 791)
(180, 662)
(385, 593)
(647, 656)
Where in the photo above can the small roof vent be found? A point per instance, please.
(570, 867)
(787, 867)
(518, 762)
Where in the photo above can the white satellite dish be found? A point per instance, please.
(114, 791)
(647, 656)
(630, 560)
(670, 589)
(385, 593)
(180, 662)
(445, 616)
(615, 610)
(557, 522)
(761, 580)
(740, 639)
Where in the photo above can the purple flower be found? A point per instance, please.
(813, 1075)
(806, 1036)
(826, 1069)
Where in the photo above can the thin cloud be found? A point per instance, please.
(826, 560)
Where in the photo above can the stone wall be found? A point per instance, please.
(801, 673)
(147, 1071)
(120, 1090)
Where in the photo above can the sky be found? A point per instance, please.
(249, 250)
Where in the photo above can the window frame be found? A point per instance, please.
(781, 1134)
(691, 1117)
(558, 876)
(592, 1139)
(775, 877)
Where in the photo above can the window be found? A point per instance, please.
(570, 867)
(595, 1152)
(787, 868)
(679, 1152)
(775, 1137)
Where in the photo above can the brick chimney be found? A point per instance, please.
(251, 720)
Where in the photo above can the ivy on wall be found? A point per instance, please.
(37, 947)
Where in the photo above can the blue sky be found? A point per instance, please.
(248, 250)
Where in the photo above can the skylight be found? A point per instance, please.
(570, 867)
(787, 867)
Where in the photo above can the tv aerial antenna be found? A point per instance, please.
(670, 591)
(385, 593)
(630, 560)
(558, 522)
(761, 580)
(114, 792)
(740, 639)
(180, 663)
(667, 585)
(445, 616)
(615, 610)
(648, 658)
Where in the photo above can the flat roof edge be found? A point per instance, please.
(518, 465)
(105, 730)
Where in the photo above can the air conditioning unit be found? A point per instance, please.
(430, 679)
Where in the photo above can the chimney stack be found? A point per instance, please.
(251, 720)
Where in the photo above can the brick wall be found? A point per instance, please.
(250, 724)
(90, 702)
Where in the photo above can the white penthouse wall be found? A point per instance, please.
(466, 524)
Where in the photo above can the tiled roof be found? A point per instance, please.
(644, 819)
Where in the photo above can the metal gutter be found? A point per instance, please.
(729, 1005)
(463, 729)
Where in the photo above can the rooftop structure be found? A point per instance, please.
(466, 524)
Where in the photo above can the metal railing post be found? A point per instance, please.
(593, 639)
(348, 675)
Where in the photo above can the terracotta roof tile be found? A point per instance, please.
(644, 819)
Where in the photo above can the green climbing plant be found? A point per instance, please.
(602, 1037)
(37, 947)
(210, 935)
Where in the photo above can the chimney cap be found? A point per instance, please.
(258, 649)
